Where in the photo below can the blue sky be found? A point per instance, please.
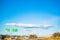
(45, 12)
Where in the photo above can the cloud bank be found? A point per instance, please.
(28, 25)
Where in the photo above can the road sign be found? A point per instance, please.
(12, 30)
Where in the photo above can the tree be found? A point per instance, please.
(56, 34)
(3, 36)
(32, 36)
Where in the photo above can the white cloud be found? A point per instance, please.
(27, 25)
(10, 24)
